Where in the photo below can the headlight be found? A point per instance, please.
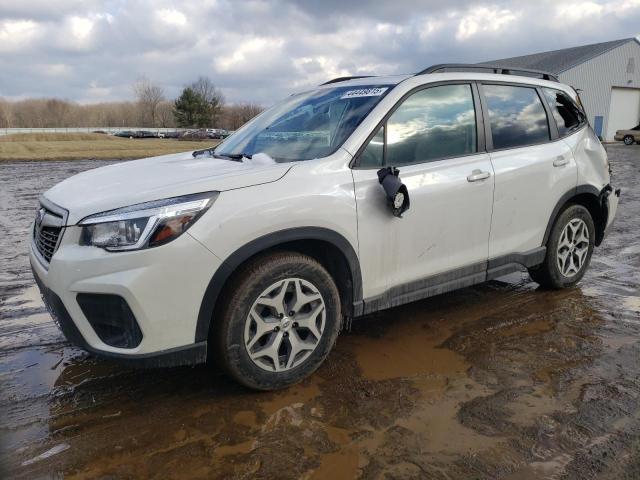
(144, 225)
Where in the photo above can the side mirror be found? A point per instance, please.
(396, 191)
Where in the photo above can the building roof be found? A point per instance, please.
(558, 61)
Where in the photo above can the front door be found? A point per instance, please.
(433, 140)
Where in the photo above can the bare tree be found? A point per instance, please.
(5, 114)
(212, 96)
(165, 115)
(148, 97)
(57, 113)
(237, 115)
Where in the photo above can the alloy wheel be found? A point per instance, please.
(573, 247)
(284, 325)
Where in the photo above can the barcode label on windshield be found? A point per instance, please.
(365, 92)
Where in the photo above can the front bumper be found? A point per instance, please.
(162, 286)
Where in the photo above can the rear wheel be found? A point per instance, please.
(628, 140)
(569, 249)
(280, 319)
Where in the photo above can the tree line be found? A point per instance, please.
(200, 105)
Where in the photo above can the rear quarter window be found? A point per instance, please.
(566, 113)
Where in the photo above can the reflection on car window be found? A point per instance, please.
(568, 116)
(305, 126)
(516, 115)
(373, 154)
(431, 124)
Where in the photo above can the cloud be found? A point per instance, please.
(261, 51)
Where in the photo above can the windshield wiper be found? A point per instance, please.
(236, 157)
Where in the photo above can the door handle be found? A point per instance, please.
(560, 161)
(477, 175)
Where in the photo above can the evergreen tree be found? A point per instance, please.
(190, 109)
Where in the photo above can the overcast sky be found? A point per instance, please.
(92, 50)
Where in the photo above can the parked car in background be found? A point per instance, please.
(254, 252)
(200, 134)
(145, 134)
(217, 133)
(174, 134)
(629, 137)
(125, 134)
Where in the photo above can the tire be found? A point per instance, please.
(628, 140)
(567, 241)
(283, 280)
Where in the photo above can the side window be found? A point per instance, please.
(431, 124)
(567, 114)
(516, 115)
(373, 154)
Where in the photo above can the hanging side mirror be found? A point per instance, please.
(396, 191)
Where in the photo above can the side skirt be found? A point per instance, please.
(453, 280)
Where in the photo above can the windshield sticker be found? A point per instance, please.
(365, 92)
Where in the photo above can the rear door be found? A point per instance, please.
(533, 167)
(432, 137)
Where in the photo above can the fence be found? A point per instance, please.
(10, 131)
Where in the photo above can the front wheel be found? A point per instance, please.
(280, 319)
(628, 140)
(569, 249)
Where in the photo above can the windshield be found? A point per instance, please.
(305, 126)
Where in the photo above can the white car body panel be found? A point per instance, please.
(291, 202)
(425, 241)
(527, 189)
(154, 178)
(593, 167)
(163, 287)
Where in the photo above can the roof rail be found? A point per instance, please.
(344, 79)
(500, 69)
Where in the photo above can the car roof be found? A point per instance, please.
(426, 78)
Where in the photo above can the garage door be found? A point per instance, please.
(624, 110)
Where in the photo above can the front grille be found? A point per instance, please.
(46, 232)
(46, 241)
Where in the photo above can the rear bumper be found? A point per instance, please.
(609, 199)
(186, 355)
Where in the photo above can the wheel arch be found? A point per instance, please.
(327, 246)
(589, 197)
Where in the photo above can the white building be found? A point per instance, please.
(607, 76)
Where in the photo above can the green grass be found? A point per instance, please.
(81, 146)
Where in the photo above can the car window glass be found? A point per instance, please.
(431, 124)
(373, 154)
(566, 113)
(516, 115)
(309, 125)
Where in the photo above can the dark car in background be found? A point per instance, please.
(125, 134)
(145, 134)
(136, 134)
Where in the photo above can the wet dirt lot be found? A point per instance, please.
(496, 381)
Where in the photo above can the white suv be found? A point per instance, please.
(359, 195)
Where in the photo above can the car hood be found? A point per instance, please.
(155, 178)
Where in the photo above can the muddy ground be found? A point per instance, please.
(497, 381)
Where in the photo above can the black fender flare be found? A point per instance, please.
(580, 189)
(233, 261)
